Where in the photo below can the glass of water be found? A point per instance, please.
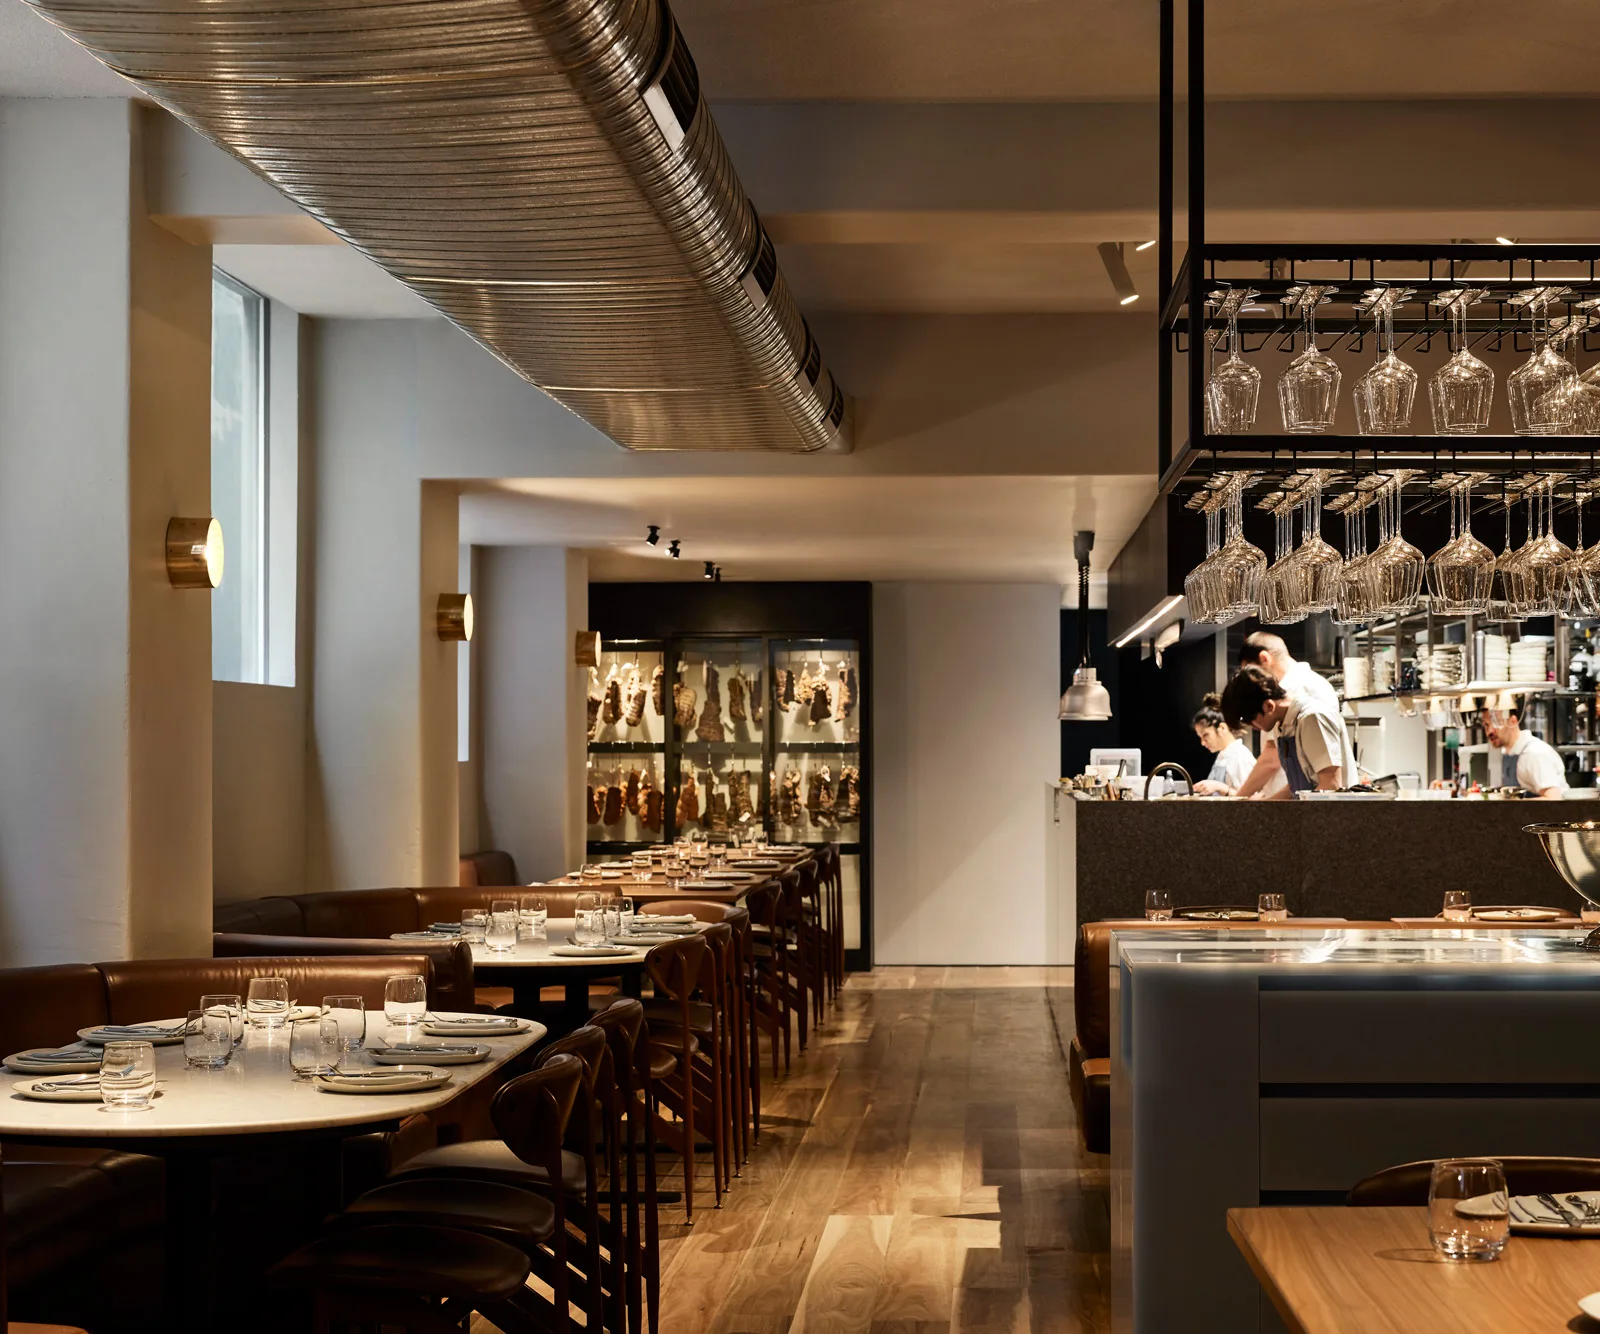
(674, 872)
(1468, 1209)
(230, 1005)
(405, 1001)
(534, 913)
(350, 1014)
(472, 926)
(1272, 908)
(1457, 905)
(501, 935)
(1158, 905)
(208, 1039)
(127, 1076)
(267, 1002)
(314, 1046)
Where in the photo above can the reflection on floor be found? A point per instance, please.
(919, 1173)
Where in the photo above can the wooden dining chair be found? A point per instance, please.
(675, 971)
(768, 995)
(637, 1248)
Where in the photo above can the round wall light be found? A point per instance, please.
(194, 553)
(455, 617)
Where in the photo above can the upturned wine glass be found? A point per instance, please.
(1318, 563)
(1197, 589)
(1353, 605)
(1280, 604)
(1461, 391)
(1578, 399)
(1308, 390)
(1397, 566)
(1538, 405)
(1240, 563)
(1235, 386)
(1502, 596)
(1461, 571)
(1539, 574)
(1385, 394)
(1575, 599)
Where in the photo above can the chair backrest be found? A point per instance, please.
(1407, 1183)
(622, 1022)
(762, 903)
(791, 892)
(701, 912)
(674, 968)
(531, 1112)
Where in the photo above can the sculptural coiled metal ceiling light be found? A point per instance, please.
(543, 172)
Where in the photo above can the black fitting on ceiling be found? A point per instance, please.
(654, 535)
(672, 549)
(711, 569)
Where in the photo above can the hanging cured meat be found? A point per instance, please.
(758, 701)
(739, 787)
(611, 710)
(658, 690)
(790, 808)
(592, 807)
(711, 728)
(819, 703)
(847, 807)
(785, 690)
(650, 803)
(596, 698)
(737, 686)
(637, 694)
(847, 689)
(719, 811)
(803, 687)
(821, 798)
(683, 701)
(630, 793)
(613, 807)
(688, 802)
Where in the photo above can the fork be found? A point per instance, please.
(1590, 1208)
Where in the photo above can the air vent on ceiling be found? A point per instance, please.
(674, 94)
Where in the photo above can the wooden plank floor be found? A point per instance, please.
(919, 1172)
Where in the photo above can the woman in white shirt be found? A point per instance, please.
(1234, 759)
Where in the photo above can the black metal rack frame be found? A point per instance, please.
(1430, 269)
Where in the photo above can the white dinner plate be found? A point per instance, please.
(23, 1064)
(758, 863)
(592, 951)
(425, 935)
(89, 1091)
(1590, 1305)
(483, 1030)
(639, 938)
(729, 875)
(434, 1053)
(395, 1079)
(1518, 914)
(1529, 1217)
(99, 1038)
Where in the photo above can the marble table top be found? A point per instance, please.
(1286, 949)
(255, 1094)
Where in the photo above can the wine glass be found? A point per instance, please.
(1316, 572)
(1235, 386)
(1308, 390)
(1385, 394)
(1461, 391)
(1540, 572)
(1279, 604)
(1397, 566)
(1537, 408)
(1240, 563)
(1461, 572)
(1352, 606)
(1502, 594)
(1197, 587)
(1577, 399)
(1575, 600)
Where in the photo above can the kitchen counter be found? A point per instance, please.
(1282, 1066)
(1361, 860)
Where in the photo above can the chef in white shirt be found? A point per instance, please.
(1525, 760)
(1313, 743)
(1266, 650)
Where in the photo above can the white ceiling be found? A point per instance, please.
(980, 529)
(37, 60)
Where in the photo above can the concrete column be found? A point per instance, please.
(105, 670)
(534, 729)
(381, 782)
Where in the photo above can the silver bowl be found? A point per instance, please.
(1574, 850)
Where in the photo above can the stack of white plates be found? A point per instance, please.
(1357, 680)
(1528, 661)
(1496, 658)
(1382, 671)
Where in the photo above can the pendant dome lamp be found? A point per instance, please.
(1086, 700)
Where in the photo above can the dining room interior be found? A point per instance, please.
(666, 668)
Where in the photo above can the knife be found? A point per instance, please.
(1566, 1215)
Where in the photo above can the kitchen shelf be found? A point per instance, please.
(627, 747)
(1486, 688)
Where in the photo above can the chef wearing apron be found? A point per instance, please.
(1313, 743)
(1525, 760)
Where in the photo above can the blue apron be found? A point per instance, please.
(1289, 757)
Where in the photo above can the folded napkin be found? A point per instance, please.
(70, 1082)
(445, 926)
(144, 1030)
(72, 1055)
(425, 935)
(430, 1048)
(667, 919)
(402, 1075)
(477, 1020)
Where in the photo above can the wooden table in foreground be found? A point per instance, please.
(1372, 1271)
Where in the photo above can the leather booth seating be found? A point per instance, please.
(488, 868)
(77, 1212)
(1089, 1052)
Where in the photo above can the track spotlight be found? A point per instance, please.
(1117, 271)
(717, 575)
(711, 569)
(672, 549)
(1144, 245)
(654, 535)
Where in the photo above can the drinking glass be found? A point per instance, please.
(1457, 905)
(1353, 605)
(1468, 1209)
(501, 936)
(1397, 566)
(405, 1001)
(591, 871)
(1271, 908)
(208, 1039)
(1385, 394)
(314, 1046)
(1461, 391)
(127, 1076)
(349, 1013)
(1537, 389)
(534, 914)
(1158, 905)
(1235, 386)
(1308, 391)
(1574, 598)
(1279, 602)
(1537, 575)
(1502, 604)
(1240, 563)
(1461, 572)
(231, 1005)
(472, 926)
(1578, 399)
(267, 1002)
(1197, 586)
(1317, 562)
(674, 873)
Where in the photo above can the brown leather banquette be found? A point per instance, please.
(488, 868)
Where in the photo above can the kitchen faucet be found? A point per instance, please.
(1167, 764)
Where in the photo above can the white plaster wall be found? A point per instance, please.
(964, 698)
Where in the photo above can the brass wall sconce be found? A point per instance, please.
(586, 652)
(194, 553)
(454, 617)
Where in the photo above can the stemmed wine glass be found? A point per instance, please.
(1385, 394)
(1317, 571)
(1235, 386)
(1308, 390)
(1461, 391)
(1461, 571)
(1537, 405)
(1240, 563)
(1502, 595)
(1197, 587)
(1354, 603)
(1539, 572)
(1585, 568)
(1397, 567)
(1575, 599)
(1578, 399)
(1280, 604)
